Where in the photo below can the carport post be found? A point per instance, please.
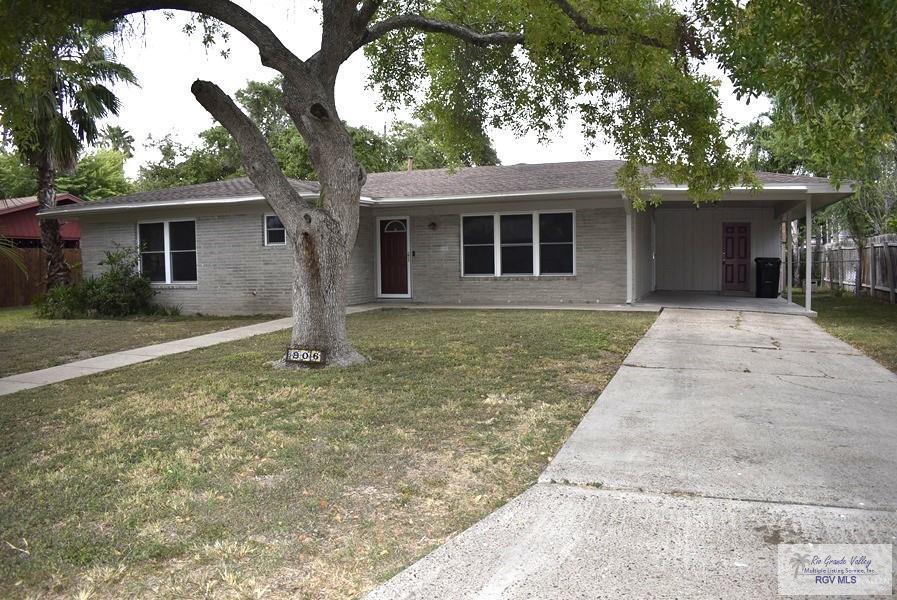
(808, 281)
(630, 253)
(789, 260)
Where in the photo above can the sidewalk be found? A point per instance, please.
(106, 362)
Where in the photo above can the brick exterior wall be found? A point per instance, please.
(238, 274)
(600, 265)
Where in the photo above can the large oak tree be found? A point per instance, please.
(626, 67)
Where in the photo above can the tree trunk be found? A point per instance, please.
(858, 290)
(324, 248)
(319, 297)
(58, 272)
(322, 233)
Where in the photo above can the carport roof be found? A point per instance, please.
(428, 185)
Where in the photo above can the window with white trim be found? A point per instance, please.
(275, 234)
(556, 243)
(478, 235)
(168, 251)
(535, 243)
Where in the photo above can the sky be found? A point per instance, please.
(166, 62)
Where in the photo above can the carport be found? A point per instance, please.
(687, 256)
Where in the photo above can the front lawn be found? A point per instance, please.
(208, 474)
(30, 343)
(866, 323)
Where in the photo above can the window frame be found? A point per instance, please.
(265, 241)
(167, 251)
(497, 245)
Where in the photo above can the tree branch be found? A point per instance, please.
(366, 12)
(261, 166)
(582, 23)
(272, 51)
(381, 28)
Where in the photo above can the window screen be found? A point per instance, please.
(478, 240)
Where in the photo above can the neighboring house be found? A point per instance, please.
(521, 234)
(19, 222)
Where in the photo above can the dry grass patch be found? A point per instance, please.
(209, 474)
(30, 343)
(867, 323)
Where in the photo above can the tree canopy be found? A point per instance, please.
(217, 156)
(830, 68)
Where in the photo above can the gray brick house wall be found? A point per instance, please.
(436, 264)
(236, 272)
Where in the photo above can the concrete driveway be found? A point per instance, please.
(724, 434)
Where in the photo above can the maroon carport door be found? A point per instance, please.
(736, 257)
(394, 257)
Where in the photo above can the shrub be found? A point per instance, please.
(120, 291)
(64, 302)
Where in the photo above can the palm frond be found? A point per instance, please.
(9, 251)
(50, 103)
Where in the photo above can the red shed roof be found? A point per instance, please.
(9, 205)
(18, 218)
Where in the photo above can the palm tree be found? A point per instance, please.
(120, 140)
(51, 100)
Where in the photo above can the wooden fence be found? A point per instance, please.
(18, 288)
(838, 263)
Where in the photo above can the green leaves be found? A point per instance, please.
(622, 65)
(54, 89)
(830, 65)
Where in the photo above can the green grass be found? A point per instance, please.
(30, 343)
(866, 323)
(209, 474)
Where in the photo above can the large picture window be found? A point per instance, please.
(536, 243)
(168, 251)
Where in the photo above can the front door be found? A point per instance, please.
(393, 257)
(736, 257)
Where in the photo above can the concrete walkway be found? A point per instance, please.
(712, 301)
(723, 435)
(107, 362)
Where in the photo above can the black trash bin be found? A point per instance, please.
(768, 277)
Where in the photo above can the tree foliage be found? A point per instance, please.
(98, 174)
(217, 156)
(17, 179)
(118, 139)
(54, 93)
(627, 67)
(830, 66)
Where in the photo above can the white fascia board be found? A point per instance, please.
(87, 209)
(446, 199)
(578, 193)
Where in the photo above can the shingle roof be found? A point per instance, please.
(422, 183)
(9, 205)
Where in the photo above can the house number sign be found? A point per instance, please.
(302, 355)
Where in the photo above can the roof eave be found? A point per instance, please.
(388, 202)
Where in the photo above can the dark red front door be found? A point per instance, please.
(394, 257)
(736, 257)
